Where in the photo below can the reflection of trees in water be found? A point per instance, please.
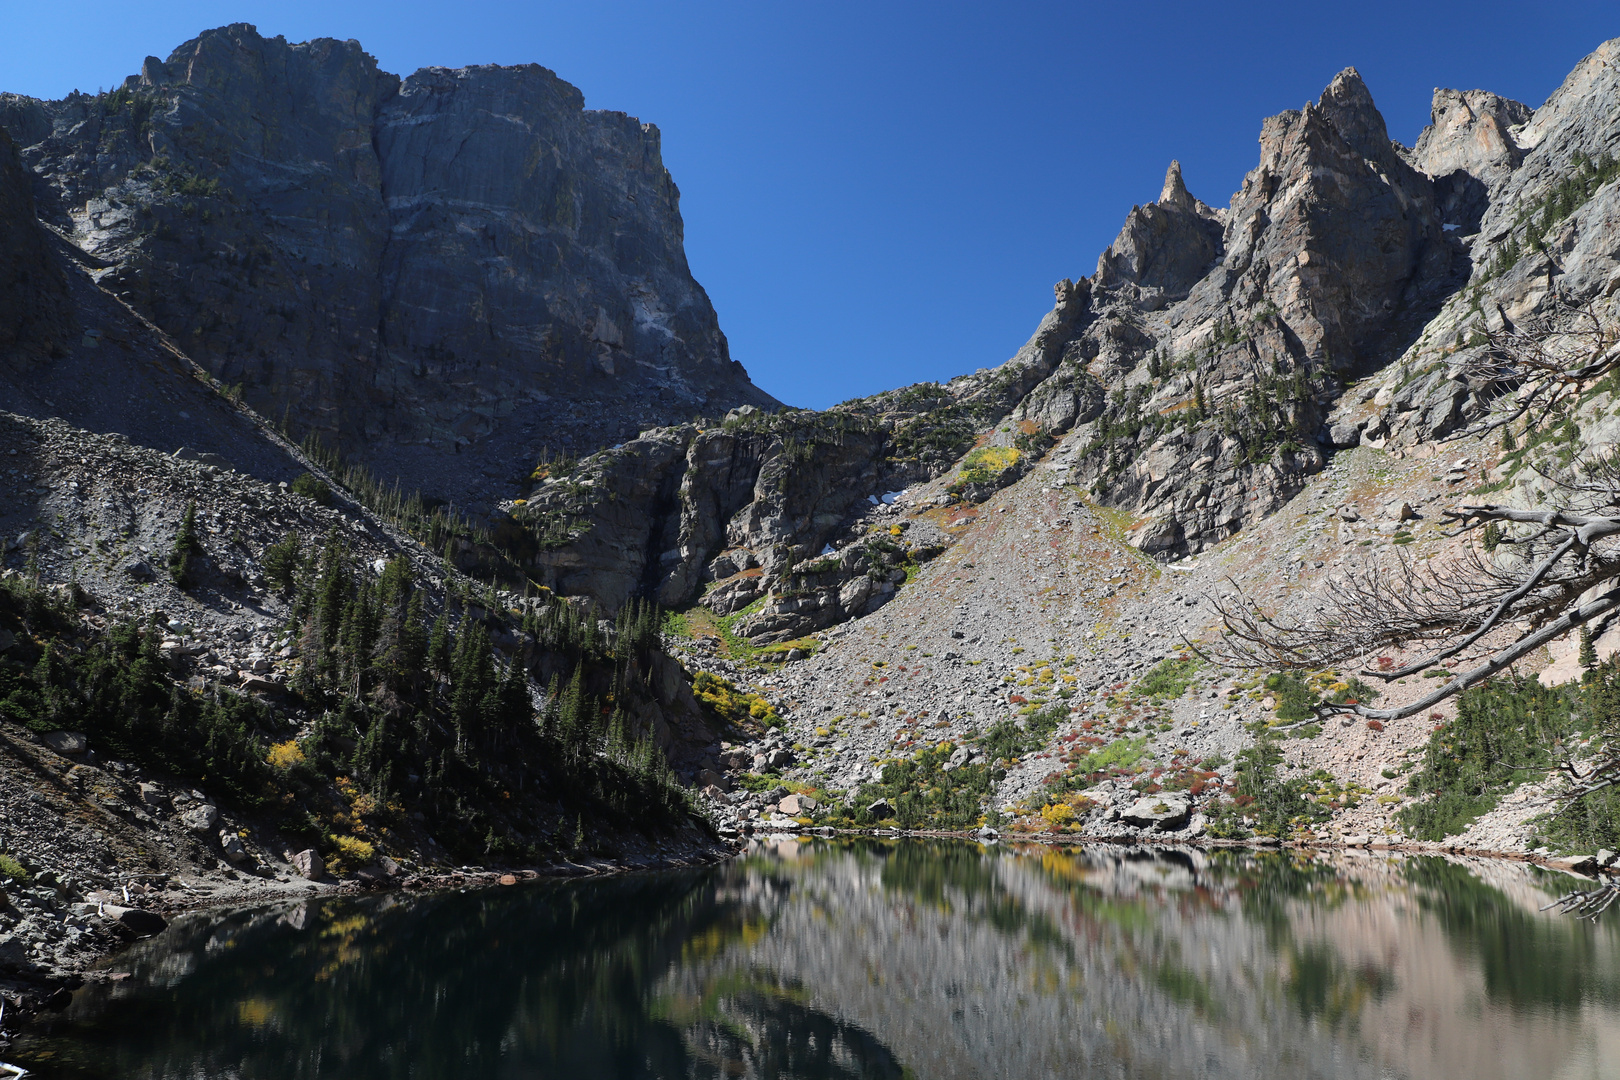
(1526, 959)
(726, 973)
(552, 980)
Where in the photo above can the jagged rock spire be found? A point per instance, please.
(1175, 191)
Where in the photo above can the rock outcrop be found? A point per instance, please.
(35, 313)
(440, 274)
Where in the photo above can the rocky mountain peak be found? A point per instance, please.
(443, 275)
(1174, 193)
(1348, 106)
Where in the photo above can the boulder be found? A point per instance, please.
(65, 742)
(796, 805)
(856, 591)
(880, 809)
(231, 845)
(200, 819)
(962, 755)
(1345, 434)
(1165, 812)
(710, 778)
(139, 922)
(152, 796)
(780, 759)
(309, 865)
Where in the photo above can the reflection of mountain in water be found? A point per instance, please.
(880, 960)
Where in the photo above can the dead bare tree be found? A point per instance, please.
(1535, 367)
(1529, 576)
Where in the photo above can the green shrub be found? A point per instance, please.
(312, 487)
(1502, 737)
(281, 561)
(1263, 802)
(13, 870)
(187, 546)
(1169, 679)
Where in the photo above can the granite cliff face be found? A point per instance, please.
(1190, 376)
(441, 274)
(35, 314)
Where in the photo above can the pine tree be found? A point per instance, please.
(472, 677)
(439, 645)
(571, 717)
(187, 546)
(1588, 655)
(1508, 443)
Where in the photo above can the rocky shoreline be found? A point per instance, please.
(105, 921)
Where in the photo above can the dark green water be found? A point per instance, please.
(907, 959)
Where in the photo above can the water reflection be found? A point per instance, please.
(880, 959)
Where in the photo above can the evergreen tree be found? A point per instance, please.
(1588, 654)
(439, 645)
(187, 546)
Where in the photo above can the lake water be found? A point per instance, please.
(881, 959)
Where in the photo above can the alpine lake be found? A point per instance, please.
(880, 958)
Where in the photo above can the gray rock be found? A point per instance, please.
(1345, 433)
(231, 845)
(136, 920)
(200, 819)
(855, 593)
(66, 742)
(1166, 812)
(880, 809)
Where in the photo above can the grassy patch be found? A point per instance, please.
(1169, 679)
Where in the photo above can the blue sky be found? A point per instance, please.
(881, 193)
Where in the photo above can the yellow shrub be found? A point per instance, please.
(285, 755)
(1058, 814)
(353, 851)
(729, 702)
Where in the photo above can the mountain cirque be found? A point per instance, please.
(1268, 394)
(440, 274)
